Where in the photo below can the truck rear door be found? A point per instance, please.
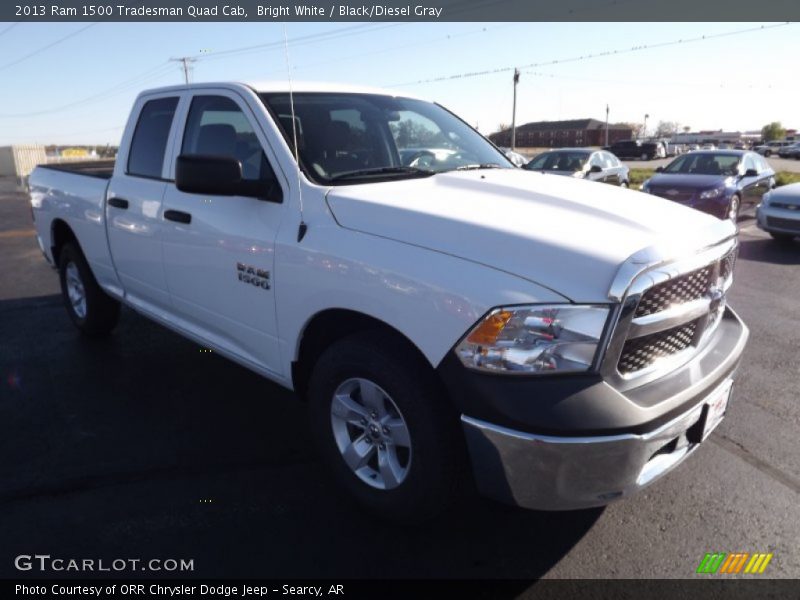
(219, 250)
(133, 203)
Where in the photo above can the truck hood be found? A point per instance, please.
(566, 234)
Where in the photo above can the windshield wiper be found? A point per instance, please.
(412, 171)
(475, 166)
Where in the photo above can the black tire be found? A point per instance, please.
(100, 311)
(437, 454)
(783, 238)
(767, 153)
(624, 185)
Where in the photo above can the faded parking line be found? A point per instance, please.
(17, 233)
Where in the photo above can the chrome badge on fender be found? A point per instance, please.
(252, 275)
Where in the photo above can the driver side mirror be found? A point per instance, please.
(750, 173)
(659, 169)
(220, 176)
(596, 169)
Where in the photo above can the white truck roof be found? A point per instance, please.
(283, 86)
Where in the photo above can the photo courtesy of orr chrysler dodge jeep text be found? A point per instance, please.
(446, 315)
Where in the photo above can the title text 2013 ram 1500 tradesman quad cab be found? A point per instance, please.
(439, 308)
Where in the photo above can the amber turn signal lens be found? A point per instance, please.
(486, 333)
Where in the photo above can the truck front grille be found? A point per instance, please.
(643, 352)
(675, 314)
(682, 289)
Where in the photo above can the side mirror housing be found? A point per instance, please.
(220, 176)
(659, 169)
(596, 169)
(751, 173)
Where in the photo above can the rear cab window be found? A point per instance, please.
(149, 141)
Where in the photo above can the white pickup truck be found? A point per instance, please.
(449, 318)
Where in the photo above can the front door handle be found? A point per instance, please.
(178, 216)
(118, 203)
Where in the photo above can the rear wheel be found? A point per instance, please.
(92, 311)
(644, 156)
(383, 428)
(624, 184)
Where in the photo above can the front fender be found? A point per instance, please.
(431, 297)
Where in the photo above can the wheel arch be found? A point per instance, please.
(60, 234)
(331, 325)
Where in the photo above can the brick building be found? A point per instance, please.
(562, 134)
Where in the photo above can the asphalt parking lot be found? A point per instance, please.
(143, 446)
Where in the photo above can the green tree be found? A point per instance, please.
(773, 131)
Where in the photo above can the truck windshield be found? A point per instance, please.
(346, 138)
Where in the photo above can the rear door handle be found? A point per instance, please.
(178, 216)
(118, 203)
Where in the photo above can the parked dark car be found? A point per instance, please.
(635, 149)
(717, 182)
(792, 151)
(594, 165)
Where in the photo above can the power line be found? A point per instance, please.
(606, 53)
(47, 47)
(9, 28)
(298, 41)
(118, 88)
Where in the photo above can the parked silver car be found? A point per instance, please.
(779, 213)
(771, 148)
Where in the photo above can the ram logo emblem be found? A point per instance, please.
(253, 275)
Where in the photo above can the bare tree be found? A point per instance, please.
(666, 129)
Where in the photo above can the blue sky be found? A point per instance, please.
(737, 82)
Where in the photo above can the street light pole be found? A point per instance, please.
(606, 125)
(644, 129)
(514, 112)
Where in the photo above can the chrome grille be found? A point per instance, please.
(682, 289)
(674, 314)
(640, 353)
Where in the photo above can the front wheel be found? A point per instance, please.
(92, 311)
(384, 429)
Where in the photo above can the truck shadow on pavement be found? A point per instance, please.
(146, 445)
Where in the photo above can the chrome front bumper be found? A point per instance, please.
(556, 473)
(547, 472)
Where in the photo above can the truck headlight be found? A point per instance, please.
(713, 193)
(535, 339)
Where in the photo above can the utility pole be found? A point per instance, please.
(606, 125)
(514, 112)
(185, 61)
(644, 129)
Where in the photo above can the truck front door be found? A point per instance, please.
(219, 250)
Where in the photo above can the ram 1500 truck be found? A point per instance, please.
(449, 318)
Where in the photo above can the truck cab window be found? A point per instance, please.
(149, 143)
(217, 126)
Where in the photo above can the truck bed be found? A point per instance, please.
(102, 169)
